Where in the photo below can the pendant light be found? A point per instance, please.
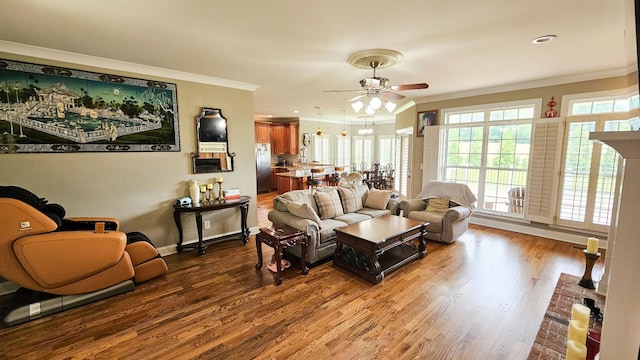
(318, 130)
(344, 121)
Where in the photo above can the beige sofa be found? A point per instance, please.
(318, 212)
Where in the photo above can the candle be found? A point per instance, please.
(219, 179)
(210, 186)
(577, 332)
(581, 313)
(576, 351)
(592, 245)
(203, 188)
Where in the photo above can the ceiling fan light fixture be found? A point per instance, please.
(375, 103)
(369, 110)
(357, 106)
(390, 106)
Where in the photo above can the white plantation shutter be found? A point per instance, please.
(321, 149)
(401, 180)
(542, 188)
(430, 154)
(343, 150)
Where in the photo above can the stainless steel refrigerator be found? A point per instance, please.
(263, 167)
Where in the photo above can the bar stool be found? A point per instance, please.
(314, 182)
(336, 178)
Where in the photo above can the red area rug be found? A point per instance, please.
(551, 340)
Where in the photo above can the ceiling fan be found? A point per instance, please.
(377, 91)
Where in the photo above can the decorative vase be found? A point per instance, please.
(194, 192)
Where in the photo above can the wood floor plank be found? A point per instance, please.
(483, 296)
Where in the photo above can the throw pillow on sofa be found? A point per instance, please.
(328, 204)
(351, 199)
(303, 210)
(378, 199)
(438, 204)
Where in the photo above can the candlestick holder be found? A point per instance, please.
(220, 193)
(590, 260)
(203, 196)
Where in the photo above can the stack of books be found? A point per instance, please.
(232, 194)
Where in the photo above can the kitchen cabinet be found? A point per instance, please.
(292, 135)
(274, 177)
(279, 139)
(263, 132)
(288, 183)
(284, 138)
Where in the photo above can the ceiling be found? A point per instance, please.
(292, 50)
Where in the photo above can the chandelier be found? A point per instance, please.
(367, 130)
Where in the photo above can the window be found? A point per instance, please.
(362, 151)
(590, 169)
(386, 150)
(487, 148)
(343, 150)
(321, 151)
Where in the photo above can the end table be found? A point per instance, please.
(280, 237)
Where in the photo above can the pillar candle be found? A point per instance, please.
(581, 313)
(592, 245)
(219, 179)
(210, 186)
(203, 188)
(578, 332)
(576, 351)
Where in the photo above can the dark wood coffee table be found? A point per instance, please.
(374, 248)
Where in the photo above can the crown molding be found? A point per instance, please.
(87, 60)
(622, 71)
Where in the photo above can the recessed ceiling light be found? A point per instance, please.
(543, 39)
(295, 111)
(269, 115)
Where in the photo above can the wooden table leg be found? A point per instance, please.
(278, 250)
(303, 258)
(259, 250)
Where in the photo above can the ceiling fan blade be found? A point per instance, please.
(392, 96)
(410, 87)
(356, 98)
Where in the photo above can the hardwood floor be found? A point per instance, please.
(482, 297)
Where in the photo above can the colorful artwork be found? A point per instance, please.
(52, 109)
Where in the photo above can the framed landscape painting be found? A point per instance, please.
(47, 109)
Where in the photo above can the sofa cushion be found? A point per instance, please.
(378, 199)
(373, 212)
(328, 231)
(351, 199)
(438, 204)
(299, 196)
(303, 210)
(329, 204)
(352, 218)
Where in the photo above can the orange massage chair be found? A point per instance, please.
(61, 263)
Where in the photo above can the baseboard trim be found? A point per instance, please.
(555, 234)
(171, 249)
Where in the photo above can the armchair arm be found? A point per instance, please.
(284, 217)
(409, 205)
(456, 213)
(89, 223)
(83, 253)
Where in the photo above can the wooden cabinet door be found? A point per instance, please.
(263, 134)
(278, 139)
(292, 135)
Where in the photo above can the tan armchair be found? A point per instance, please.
(445, 206)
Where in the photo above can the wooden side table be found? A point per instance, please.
(280, 237)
